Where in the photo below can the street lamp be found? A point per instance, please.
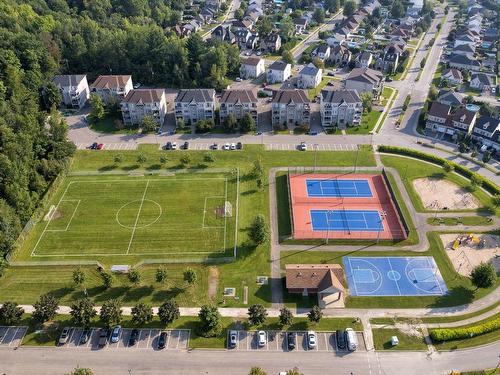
(383, 214)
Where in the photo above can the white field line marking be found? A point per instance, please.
(397, 283)
(237, 210)
(48, 222)
(203, 226)
(72, 216)
(225, 219)
(137, 217)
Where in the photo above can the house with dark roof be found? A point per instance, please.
(453, 76)
(340, 55)
(223, 34)
(450, 97)
(392, 55)
(242, 36)
(463, 62)
(482, 82)
(290, 108)
(141, 103)
(325, 280)
(465, 50)
(112, 87)
(309, 77)
(271, 43)
(463, 120)
(193, 105)
(74, 89)
(364, 59)
(243, 24)
(238, 103)
(278, 71)
(487, 131)
(438, 118)
(365, 80)
(340, 108)
(322, 52)
(300, 24)
(464, 38)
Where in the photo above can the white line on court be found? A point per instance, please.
(397, 283)
(137, 217)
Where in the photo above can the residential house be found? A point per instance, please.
(194, 105)
(450, 97)
(482, 82)
(300, 24)
(322, 52)
(400, 33)
(223, 34)
(392, 55)
(278, 71)
(243, 24)
(463, 62)
(465, 38)
(141, 103)
(74, 89)
(438, 118)
(242, 37)
(340, 55)
(465, 50)
(112, 88)
(487, 131)
(252, 67)
(290, 108)
(238, 103)
(325, 280)
(489, 42)
(340, 108)
(271, 43)
(365, 80)
(463, 120)
(364, 59)
(453, 76)
(309, 77)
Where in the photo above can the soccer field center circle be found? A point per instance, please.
(138, 206)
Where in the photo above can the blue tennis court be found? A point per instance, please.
(393, 276)
(339, 188)
(346, 220)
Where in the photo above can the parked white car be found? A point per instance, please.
(262, 338)
(311, 339)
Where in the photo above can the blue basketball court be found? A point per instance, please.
(346, 220)
(393, 276)
(339, 188)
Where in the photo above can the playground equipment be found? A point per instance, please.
(464, 239)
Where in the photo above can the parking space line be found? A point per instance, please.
(168, 338)
(4, 336)
(178, 340)
(149, 338)
(13, 337)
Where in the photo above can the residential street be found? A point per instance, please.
(49, 361)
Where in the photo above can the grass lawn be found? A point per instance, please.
(407, 63)
(465, 220)
(48, 334)
(27, 283)
(382, 340)
(437, 319)
(486, 338)
(411, 169)
(107, 125)
(460, 289)
(312, 93)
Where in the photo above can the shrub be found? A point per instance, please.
(449, 334)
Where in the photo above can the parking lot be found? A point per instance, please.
(278, 341)
(177, 339)
(12, 336)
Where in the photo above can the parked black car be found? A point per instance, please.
(341, 339)
(134, 336)
(239, 146)
(162, 340)
(168, 146)
(291, 340)
(185, 146)
(85, 337)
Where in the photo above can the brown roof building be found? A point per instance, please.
(325, 280)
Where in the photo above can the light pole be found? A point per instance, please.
(383, 214)
(315, 155)
(328, 225)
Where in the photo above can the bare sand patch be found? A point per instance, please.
(213, 282)
(437, 193)
(470, 253)
(53, 214)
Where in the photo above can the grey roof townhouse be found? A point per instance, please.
(278, 71)
(271, 42)
(453, 76)
(487, 131)
(252, 67)
(290, 108)
(238, 103)
(463, 120)
(322, 52)
(309, 77)
(438, 118)
(365, 80)
(74, 89)
(463, 62)
(340, 55)
(144, 102)
(450, 97)
(193, 105)
(340, 108)
(481, 81)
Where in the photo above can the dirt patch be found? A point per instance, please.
(471, 250)
(437, 193)
(213, 282)
(53, 214)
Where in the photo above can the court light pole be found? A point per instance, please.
(383, 214)
(328, 225)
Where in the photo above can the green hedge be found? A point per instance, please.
(449, 334)
(489, 186)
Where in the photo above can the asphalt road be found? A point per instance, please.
(53, 361)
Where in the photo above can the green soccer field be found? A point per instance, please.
(177, 216)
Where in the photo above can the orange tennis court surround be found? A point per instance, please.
(344, 206)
